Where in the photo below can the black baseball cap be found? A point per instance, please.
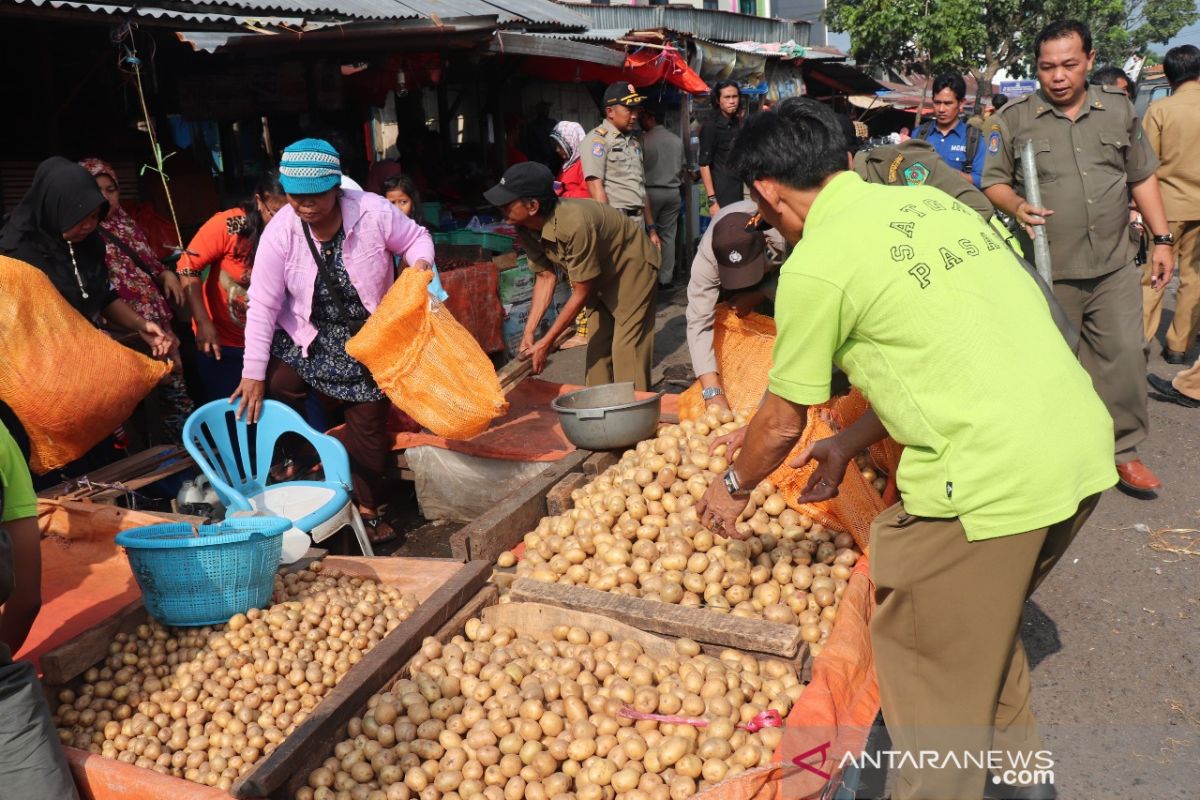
(740, 249)
(622, 93)
(527, 179)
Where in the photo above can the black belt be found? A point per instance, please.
(631, 212)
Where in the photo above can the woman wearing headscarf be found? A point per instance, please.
(142, 281)
(323, 265)
(567, 137)
(53, 228)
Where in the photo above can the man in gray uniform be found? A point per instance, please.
(612, 158)
(662, 154)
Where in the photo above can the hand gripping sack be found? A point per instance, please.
(68, 383)
(427, 363)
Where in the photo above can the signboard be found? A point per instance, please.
(1017, 88)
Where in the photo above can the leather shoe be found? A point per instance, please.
(1137, 477)
(1006, 791)
(1168, 393)
(1171, 357)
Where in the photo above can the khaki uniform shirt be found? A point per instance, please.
(915, 163)
(1172, 125)
(616, 159)
(704, 287)
(662, 155)
(1084, 167)
(592, 242)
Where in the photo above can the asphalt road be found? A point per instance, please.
(1113, 633)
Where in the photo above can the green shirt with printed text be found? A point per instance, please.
(919, 301)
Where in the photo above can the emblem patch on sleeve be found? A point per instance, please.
(917, 174)
(994, 142)
(598, 149)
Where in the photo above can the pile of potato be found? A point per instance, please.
(634, 530)
(503, 716)
(206, 704)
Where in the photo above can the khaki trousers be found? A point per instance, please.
(953, 675)
(1184, 325)
(1107, 312)
(664, 205)
(620, 343)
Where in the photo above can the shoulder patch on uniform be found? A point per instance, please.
(994, 141)
(917, 174)
(894, 168)
(598, 149)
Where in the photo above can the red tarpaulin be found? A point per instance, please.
(642, 68)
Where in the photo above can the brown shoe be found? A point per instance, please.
(1137, 477)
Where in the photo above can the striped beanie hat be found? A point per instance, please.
(310, 166)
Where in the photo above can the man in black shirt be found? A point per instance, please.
(716, 142)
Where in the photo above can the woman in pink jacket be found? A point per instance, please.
(323, 264)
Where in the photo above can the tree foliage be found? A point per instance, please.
(982, 38)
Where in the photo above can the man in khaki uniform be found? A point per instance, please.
(1089, 148)
(612, 158)
(611, 264)
(1171, 127)
(915, 163)
(662, 155)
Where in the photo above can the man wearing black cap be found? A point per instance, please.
(612, 158)
(736, 258)
(611, 263)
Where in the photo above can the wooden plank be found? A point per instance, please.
(487, 596)
(502, 526)
(598, 462)
(558, 499)
(325, 726)
(750, 635)
(68, 661)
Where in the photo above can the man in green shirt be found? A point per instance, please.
(1007, 445)
(32, 763)
(610, 261)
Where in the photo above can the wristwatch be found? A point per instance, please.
(711, 392)
(732, 485)
(1166, 238)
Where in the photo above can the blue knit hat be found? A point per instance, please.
(310, 166)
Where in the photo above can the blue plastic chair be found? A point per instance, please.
(238, 465)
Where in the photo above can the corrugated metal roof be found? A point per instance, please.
(593, 35)
(541, 12)
(720, 26)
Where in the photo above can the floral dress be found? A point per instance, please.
(329, 368)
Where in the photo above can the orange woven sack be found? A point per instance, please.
(743, 349)
(791, 482)
(427, 363)
(68, 383)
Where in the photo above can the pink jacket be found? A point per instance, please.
(281, 290)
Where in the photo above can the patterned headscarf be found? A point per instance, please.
(568, 136)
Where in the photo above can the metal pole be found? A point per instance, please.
(1033, 196)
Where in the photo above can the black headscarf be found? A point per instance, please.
(61, 196)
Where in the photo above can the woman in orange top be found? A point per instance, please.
(225, 245)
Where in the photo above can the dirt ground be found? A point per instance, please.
(1113, 634)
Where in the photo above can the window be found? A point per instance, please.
(710, 5)
(748, 7)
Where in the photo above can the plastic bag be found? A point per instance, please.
(68, 383)
(427, 363)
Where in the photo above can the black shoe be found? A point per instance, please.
(994, 790)
(1171, 357)
(1167, 393)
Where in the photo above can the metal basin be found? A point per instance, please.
(607, 417)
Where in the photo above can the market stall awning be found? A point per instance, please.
(840, 78)
(578, 63)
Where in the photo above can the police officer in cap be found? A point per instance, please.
(610, 262)
(612, 158)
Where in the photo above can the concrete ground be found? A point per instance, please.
(1113, 634)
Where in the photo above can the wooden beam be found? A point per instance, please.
(315, 737)
(73, 658)
(558, 499)
(501, 527)
(750, 635)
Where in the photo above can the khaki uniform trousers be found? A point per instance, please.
(1184, 326)
(1106, 310)
(953, 675)
(620, 324)
(664, 205)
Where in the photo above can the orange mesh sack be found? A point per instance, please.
(791, 482)
(743, 349)
(427, 363)
(68, 383)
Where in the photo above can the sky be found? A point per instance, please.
(1189, 35)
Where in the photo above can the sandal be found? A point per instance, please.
(374, 523)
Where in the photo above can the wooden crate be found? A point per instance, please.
(442, 585)
(535, 619)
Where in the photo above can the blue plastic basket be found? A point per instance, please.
(189, 580)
